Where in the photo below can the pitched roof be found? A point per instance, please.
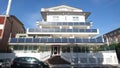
(62, 8)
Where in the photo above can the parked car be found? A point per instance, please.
(5, 63)
(28, 62)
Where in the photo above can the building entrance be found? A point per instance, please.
(55, 50)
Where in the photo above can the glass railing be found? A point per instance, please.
(61, 30)
(67, 23)
(55, 40)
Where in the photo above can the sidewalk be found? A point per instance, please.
(85, 66)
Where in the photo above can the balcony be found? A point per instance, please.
(55, 40)
(66, 23)
(63, 30)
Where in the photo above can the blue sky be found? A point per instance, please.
(105, 14)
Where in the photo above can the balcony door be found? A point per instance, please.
(55, 50)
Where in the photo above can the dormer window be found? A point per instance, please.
(75, 18)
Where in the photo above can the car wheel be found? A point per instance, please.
(41, 67)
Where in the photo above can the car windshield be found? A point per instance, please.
(28, 60)
(1, 60)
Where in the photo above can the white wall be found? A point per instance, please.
(105, 57)
(1, 26)
(91, 58)
(41, 56)
(65, 18)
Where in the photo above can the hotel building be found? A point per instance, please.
(64, 32)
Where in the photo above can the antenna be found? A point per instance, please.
(8, 7)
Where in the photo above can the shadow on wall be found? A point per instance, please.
(96, 58)
(9, 56)
(84, 58)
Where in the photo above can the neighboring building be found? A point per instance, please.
(113, 36)
(9, 27)
(63, 33)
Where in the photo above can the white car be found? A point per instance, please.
(4, 63)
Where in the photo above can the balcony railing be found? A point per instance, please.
(61, 30)
(55, 40)
(67, 23)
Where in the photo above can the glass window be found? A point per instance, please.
(63, 30)
(76, 23)
(75, 30)
(28, 40)
(71, 40)
(88, 30)
(64, 40)
(50, 40)
(59, 23)
(94, 30)
(78, 40)
(15, 47)
(92, 40)
(43, 40)
(55, 18)
(64, 23)
(83, 49)
(35, 47)
(22, 36)
(76, 18)
(85, 40)
(30, 47)
(21, 40)
(65, 49)
(99, 40)
(57, 40)
(57, 30)
(44, 48)
(25, 47)
(36, 40)
(92, 60)
(13, 40)
(75, 49)
(20, 47)
(81, 30)
(69, 30)
(82, 23)
(83, 60)
(70, 23)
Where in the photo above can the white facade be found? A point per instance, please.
(65, 18)
(64, 31)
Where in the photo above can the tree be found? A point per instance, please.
(117, 48)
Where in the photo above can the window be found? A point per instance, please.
(22, 36)
(65, 49)
(75, 18)
(55, 18)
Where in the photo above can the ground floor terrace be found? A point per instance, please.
(72, 53)
(64, 50)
